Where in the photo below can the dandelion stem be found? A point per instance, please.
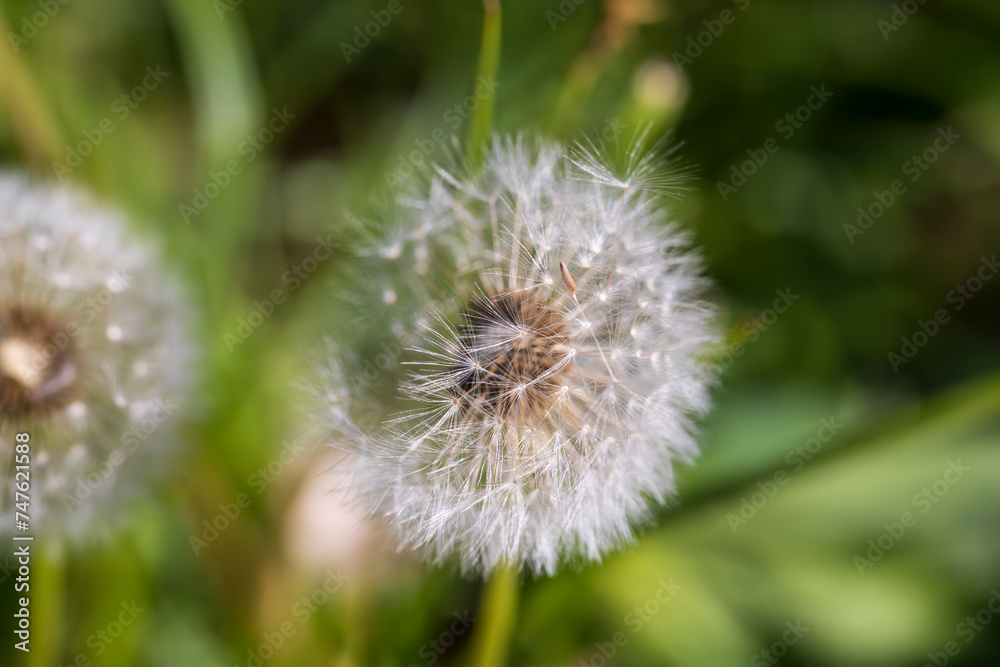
(47, 605)
(489, 59)
(497, 617)
(33, 125)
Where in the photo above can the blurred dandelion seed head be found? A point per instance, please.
(551, 336)
(94, 349)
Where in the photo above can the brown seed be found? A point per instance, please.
(568, 279)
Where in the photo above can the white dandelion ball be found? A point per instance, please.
(529, 355)
(95, 359)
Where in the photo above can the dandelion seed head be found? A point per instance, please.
(549, 362)
(91, 326)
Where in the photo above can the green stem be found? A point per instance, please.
(34, 127)
(497, 617)
(46, 605)
(357, 621)
(489, 59)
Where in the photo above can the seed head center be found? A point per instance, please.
(38, 362)
(513, 351)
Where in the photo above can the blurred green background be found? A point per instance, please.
(788, 544)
